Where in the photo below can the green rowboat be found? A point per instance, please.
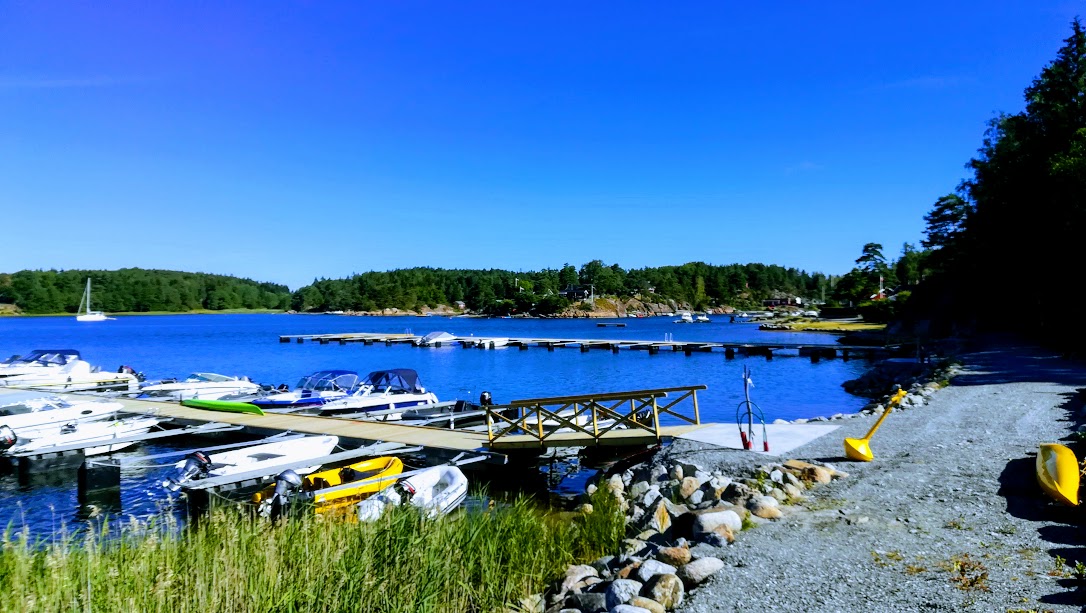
(222, 405)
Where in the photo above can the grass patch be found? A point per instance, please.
(478, 560)
(967, 573)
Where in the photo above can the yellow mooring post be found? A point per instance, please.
(858, 448)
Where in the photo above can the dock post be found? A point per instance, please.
(614, 347)
(844, 354)
(653, 350)
(815, 357)
(100, 483)
(284, 339)
(729, 353)
(550, 346)
(367, 342)
(322, 341)
(342, 341)
(299, 340)
(524, 346)
(686, 350)
(768, 354)
(584, 348)
(388, 342)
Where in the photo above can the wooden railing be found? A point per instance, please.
(592, 414)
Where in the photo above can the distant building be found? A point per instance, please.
(575, 292)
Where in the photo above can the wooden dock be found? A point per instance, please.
(730, 349)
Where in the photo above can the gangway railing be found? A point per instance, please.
(593, 415)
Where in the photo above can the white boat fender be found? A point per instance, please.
(197, 465)
(7, 438)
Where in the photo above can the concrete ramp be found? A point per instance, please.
(783, 438)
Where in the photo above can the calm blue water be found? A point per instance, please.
(175, 345)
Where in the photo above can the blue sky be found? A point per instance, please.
(284, 141)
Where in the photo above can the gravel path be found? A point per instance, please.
(947, 518)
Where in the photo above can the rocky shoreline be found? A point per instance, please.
(679, 514)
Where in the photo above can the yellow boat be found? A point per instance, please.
(1058, 473)
(377, 473)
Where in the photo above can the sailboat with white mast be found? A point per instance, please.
(85, 313)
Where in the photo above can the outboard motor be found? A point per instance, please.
(7, 438)
(197, 465)
(286, 484)
(485, 399)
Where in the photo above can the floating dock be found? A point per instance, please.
(730, 349)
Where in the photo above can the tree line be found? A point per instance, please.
(1003, 246)
(501, 292)
(137, 290)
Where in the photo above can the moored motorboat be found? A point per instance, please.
(23, 411)
(382, 390)
(36, 361)
(76, 375)
(435, 491)
(1058, 473)
(94, 436)
(361, 479)
(272, 456)
(312, 391)
(199, 385)
(436, 339)
(685, 318)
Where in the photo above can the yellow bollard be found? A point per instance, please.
(858, 448)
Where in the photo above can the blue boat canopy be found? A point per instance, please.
(59, 357)
(396, 380)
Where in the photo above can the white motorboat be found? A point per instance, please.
(383, 390)
(312, 391)
(75, 375)
(199, 385)
(275, 455)
(85, 313)
(702, 319)
(23, 411)
(436, 339)
(37, 361)
(435, 491)
(685, 318)
(95, 436)
(492, 343)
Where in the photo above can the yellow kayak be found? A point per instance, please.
(1058, 473)
(384, 471)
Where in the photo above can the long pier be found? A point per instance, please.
(730, 349)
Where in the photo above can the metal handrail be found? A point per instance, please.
(532, 413)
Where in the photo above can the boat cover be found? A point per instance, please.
(58, 357)
(396, 380)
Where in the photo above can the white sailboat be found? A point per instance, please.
(85, 313)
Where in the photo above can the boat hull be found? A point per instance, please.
(226, 406)
(1058, 473)
(371, 476)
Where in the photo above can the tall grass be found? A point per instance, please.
(480, 560)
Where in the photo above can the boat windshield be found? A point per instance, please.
(395, 381)
(197, 377)
(30, 402)
(47, 357)
(330, 381)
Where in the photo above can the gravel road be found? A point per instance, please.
(948, 517)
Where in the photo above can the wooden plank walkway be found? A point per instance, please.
(815, 351)
(392, 432)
